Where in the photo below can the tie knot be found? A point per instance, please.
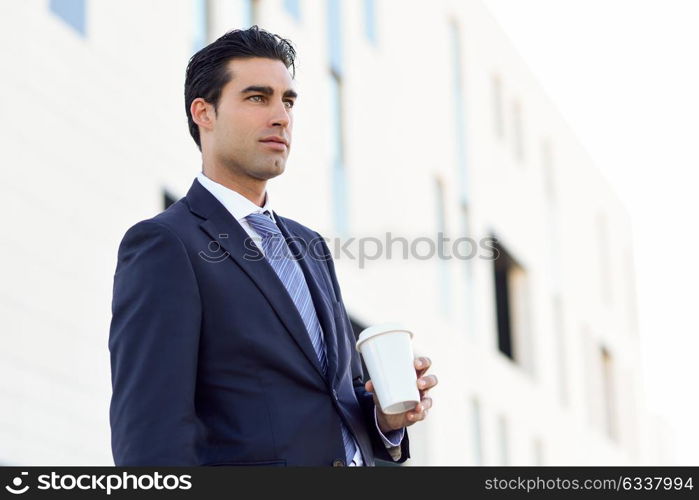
(263, 224)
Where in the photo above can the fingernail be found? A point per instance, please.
(421, 383)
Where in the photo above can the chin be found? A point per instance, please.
(265, 174)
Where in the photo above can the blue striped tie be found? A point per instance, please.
(279, 257)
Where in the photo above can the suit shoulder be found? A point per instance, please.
(175, 217)
(172, 221)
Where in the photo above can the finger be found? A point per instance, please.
(415, 416)
(422, 364)
(419, 412)
(369, 386)
(426, 382)
(423, 405)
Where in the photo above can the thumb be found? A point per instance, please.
(369, 386)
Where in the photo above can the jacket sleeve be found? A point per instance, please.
(365, 398)
(153, 343)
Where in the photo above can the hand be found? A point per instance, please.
(389, 423)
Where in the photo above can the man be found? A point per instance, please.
(229, 340)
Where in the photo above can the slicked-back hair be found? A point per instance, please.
(207, 71)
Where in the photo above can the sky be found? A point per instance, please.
(623, 74)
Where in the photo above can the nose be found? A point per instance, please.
(280, 115)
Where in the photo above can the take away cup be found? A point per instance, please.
(388, 354)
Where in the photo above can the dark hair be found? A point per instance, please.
(207, 73)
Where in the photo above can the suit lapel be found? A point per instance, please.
(222, 227)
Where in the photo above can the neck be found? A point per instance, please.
(253, 189)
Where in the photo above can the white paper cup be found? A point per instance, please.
(388, 354)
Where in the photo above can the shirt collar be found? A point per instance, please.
(237, 204)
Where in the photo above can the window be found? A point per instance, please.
(459, 112)
(202, 25)
(72, 12)
(547, 168)
(335, 36)
(631, 298)
(467, 249)
(538, 452)
(249, 13)
(477, 435)
(293, 7)
(608, 395)
(440, 209)
(591, 375)
(370, 20)
(517, 127)
(604, 257)
(511, 306)
(498, 118)
(503, 441)
(559, 336)
(339, 174)
(168, 199)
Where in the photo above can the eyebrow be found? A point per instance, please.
(268, 91)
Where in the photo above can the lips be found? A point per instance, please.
(277, 146)
(275, 142)
(275, 138)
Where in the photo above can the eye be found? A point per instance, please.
(289, 104)
(255, 97)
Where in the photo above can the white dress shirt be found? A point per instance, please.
(240, 207)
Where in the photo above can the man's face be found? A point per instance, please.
(254, 111)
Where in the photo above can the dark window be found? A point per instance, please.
(503, 264)
(511, 306)
(168, 199)
(357, 329)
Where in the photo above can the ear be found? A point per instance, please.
(203, 113)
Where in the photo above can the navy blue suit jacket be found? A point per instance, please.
(211, 362)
